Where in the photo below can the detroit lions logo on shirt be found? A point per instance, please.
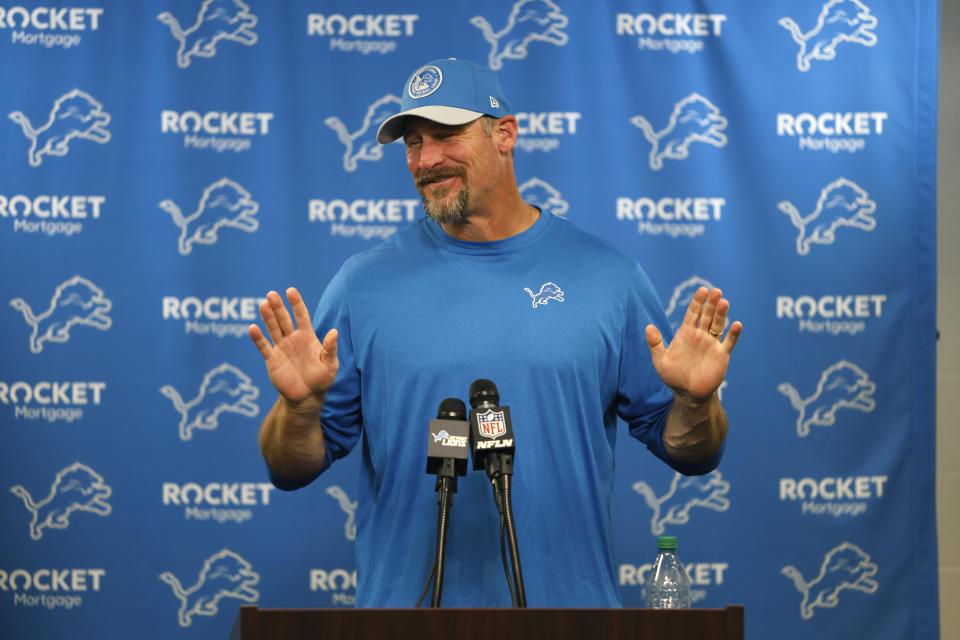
(548, 291)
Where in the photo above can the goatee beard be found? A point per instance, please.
(443, 212)
(437, 208)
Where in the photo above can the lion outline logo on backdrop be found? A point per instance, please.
(75, 488)
(223, 204)
(75, 301)
(217, 20)
(529, 21)
(225, 574)
(542, 195)
(224, 388)
(685, 493)
(364, 139)
(842, 203)
(75, 114)
(844, 567)
(839, 21)
(694, 119)
(349, 507)
(843, 385)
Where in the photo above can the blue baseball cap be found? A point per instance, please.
(448, 91)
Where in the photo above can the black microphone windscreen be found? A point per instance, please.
(483, 390)
(452, 409)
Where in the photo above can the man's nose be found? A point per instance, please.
(431, 153)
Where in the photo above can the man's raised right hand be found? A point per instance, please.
(299, 365)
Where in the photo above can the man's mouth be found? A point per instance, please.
(442, 183)
(441, 179)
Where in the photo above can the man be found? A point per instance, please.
(486, 286)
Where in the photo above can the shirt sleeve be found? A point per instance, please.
(643, 401)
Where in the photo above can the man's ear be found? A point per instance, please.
(506, 133)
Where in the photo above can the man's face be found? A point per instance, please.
(452, 166)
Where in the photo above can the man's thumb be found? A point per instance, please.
(655, 341)
(329, 345)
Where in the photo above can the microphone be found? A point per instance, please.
(447, 452)
(491, 443)
(449, 439)
(491, 431)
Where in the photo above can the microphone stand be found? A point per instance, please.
(446, 487)
(512, 540)
(491, 421)
(500, 470)
(447, 455)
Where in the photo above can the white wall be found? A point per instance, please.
(948, 322)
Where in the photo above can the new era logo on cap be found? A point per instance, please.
(448, 91)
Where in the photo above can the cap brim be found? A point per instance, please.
(392, 128)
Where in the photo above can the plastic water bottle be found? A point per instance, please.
(668, 585)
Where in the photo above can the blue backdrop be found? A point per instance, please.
(166, 163)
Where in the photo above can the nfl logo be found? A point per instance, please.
(492, 424)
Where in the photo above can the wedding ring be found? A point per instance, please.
(715, 334)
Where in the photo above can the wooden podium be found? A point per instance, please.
(253, 623)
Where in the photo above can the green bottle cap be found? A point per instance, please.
(666, 542)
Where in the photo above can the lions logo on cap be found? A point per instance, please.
(425, 81)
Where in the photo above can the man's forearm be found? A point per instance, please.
(291, 439)
(694, 429)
